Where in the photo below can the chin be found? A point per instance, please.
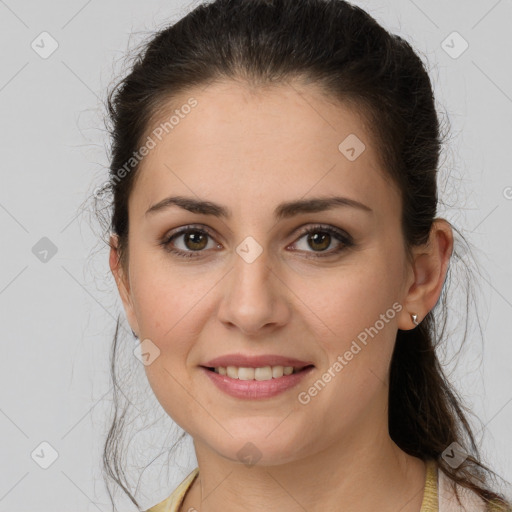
(255, 446)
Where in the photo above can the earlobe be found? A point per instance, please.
(122, 282)
(430, 266)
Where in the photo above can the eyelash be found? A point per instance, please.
(346, 240)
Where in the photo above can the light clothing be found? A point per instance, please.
(438, 495)
(174, 501)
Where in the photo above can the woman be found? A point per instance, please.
(277, 251)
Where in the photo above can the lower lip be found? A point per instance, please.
(256, 389)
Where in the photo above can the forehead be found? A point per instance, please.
(254, 145)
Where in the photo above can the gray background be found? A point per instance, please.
(58, 315)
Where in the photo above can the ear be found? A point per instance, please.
(123, 284)
(427, 274)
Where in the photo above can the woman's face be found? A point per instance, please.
(256, 283)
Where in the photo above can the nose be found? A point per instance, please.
(254, 298)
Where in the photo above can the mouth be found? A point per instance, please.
(249, 383)
(261, 373)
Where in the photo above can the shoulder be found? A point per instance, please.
(467, 501)
(172, 503)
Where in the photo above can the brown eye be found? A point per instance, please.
(319, 241)
(188, 243)
(195, 240)
(319, 238)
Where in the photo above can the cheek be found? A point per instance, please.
(167, 306)
(358, 320)
(358, 345)
(166, 296)
(352, 298)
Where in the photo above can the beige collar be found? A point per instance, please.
(469, 500)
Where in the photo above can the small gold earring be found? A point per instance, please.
(415, 319)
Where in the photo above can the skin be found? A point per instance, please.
(249, 150)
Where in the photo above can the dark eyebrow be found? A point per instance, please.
(282, 211)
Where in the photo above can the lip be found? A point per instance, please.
(254, 389)
(246, 361)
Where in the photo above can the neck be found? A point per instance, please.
(354, 475)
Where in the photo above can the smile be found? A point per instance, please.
(256, 383)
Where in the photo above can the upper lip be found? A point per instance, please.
(246, 361)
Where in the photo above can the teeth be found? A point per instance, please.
(263, 373)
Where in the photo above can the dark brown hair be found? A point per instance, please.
(343, 50)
